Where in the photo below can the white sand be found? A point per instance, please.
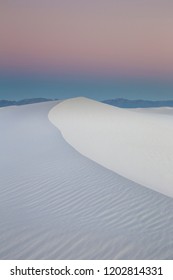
(57, 204)
(159, 110)
(138, 146)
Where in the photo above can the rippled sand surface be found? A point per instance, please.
(57, 204)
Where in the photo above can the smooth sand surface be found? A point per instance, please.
(136, 145)
(57, 204)
(159, 110)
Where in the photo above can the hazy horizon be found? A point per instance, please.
(54, 88)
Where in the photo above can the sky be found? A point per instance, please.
(87, 39)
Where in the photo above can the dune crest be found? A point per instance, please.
(133, 144)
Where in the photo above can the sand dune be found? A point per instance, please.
(134, 144)
(57, 204)
(161, 110)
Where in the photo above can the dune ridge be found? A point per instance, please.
(132, 143)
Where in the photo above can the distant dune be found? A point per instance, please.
(135, 145)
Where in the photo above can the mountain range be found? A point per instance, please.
(118, 102)
(4, 103)
(126, 103)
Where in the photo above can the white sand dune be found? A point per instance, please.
(134, 144)
(57, 204)
(159, 110)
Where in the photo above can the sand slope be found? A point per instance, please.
(57, 204)
(134, 144)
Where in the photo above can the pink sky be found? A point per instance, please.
(114, 37)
